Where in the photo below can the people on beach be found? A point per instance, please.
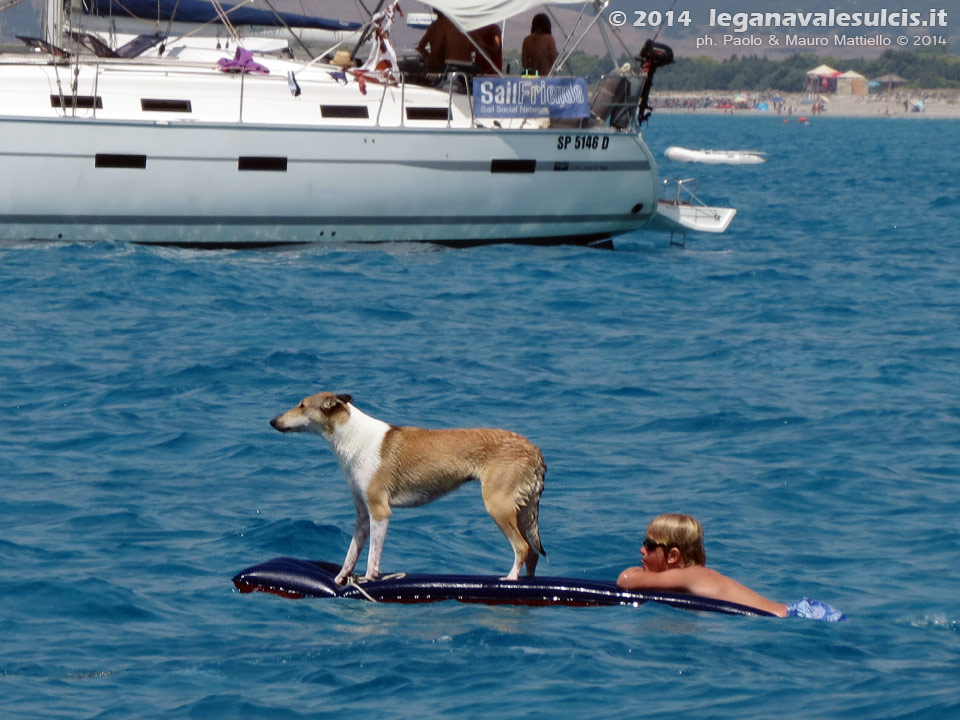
(674, 559)
(446, 43)
(539, 49)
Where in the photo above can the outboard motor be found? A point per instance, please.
(653, 55)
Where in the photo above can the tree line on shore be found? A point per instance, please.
(921, 69)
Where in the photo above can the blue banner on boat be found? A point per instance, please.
(530, 97)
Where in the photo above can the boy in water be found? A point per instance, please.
(674, 560)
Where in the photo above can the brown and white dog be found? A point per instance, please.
(389, 466)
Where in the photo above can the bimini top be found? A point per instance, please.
(473, 14)
(293, 578)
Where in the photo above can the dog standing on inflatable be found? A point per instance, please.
(387, 466)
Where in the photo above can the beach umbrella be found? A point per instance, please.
(890, 81)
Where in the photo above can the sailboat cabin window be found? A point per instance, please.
(116, 160)
(355, 112)
(152, 105)
(80, 102)
(275, 164)
(428, 113)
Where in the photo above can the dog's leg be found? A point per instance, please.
(378, 533)
(361, 531)
(504, 512)
(532, 559)
(379, 520)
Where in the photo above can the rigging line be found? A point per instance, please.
(319, 57)
(127, 10)
(563, 56)
(593, 22)
(657, 34)
(211, 21)
(623, 45)
(9, 4)
(328, 51)
(365, 31)
(171, 19)
(226, 23)
(606, 42)
(288, 29)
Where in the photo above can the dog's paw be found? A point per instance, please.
(340, 579)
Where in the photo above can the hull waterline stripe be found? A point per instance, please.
(448, 165)
(601, 241)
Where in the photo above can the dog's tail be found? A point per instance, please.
(528, 505)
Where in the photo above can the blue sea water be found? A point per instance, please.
(794, 383)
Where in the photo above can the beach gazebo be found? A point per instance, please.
(821, 79)
(851, 83)
(889, 82)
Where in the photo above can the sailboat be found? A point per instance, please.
(167, 140)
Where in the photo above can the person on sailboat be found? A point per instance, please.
(539, 49)
(446, 43)
(489, 40)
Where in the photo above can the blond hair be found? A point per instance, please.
(683, 532)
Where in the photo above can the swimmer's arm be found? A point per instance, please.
(636, 578)
(700, 581)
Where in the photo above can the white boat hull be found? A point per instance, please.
(82, 179)
(715, 157)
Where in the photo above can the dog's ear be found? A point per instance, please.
(328, 401)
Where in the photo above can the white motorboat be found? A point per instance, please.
(715, 157)
(151, 141)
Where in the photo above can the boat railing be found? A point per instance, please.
(685, 211)
(452, 83)
(396, 78)
(452, 79)
(675, 191)
(683, 193)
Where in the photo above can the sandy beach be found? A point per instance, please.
(937, 103)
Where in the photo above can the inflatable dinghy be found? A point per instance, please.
(293, 578)
(715, 157)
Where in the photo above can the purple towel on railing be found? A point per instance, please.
(242, 62)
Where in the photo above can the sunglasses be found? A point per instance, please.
(652, 545)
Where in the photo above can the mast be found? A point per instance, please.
(52, 21)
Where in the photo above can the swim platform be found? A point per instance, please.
(295, 578)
